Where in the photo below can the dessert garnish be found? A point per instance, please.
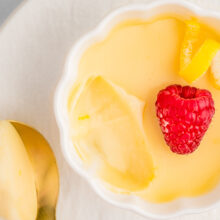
(189, 43)
(200, 61)
(185, 114)
(215, 69)
(196, 56)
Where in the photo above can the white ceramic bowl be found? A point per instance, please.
(145, 11)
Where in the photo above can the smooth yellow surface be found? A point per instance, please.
(109, 135)
(143, 58)
(18, 196)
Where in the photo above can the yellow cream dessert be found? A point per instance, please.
(112, 115)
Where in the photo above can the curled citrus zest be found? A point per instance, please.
(190, 39)
(215, 70)
(200, 61)
(83, 117)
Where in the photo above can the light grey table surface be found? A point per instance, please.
(6, 7)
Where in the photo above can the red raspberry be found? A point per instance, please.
(184, 114)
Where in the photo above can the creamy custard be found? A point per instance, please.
(107, 130)
(143, 58)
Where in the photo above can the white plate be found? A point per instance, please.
(33, 47)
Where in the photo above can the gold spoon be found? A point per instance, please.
(45, 168)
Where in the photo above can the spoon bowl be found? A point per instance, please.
(45, 169)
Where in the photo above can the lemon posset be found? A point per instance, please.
(113, 119)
